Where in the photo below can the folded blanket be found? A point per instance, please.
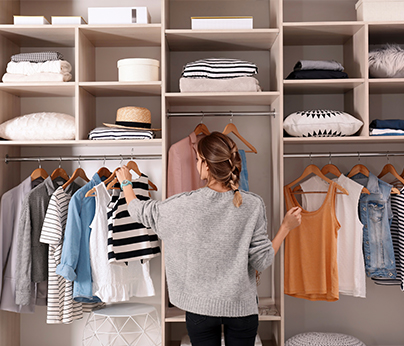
(316, 74)
(318, 65)
(37, 56)
(240, 84)
(37, 77)
(218, 68)
(29, 68)
(397, 124)
(110, 133)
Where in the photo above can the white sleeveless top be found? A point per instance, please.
(113, 282)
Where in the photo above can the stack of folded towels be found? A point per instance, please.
(37, 67)
(317, 69)
(219, 75)
(390, 127)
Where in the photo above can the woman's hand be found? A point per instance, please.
(123, 173)
(293, 218)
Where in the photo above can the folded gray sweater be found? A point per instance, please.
(211, 248)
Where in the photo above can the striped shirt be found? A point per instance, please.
(129, 240)
(217, 68)
(61, 307)
(109, 133)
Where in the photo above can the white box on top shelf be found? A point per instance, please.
(221, 23)
(67, 20)
(380, 10)
(30, 20)
(118, 15)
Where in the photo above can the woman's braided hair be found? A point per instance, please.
(223, 160)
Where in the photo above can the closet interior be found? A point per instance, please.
(284, 32)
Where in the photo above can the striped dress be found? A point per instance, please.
(129, 240)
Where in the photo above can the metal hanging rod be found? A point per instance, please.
(219, 114)
(80, 158)
(357, 155)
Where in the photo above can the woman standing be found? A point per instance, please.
(215, 239)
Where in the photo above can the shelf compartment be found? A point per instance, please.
(222, 99)
(319, 33)
(205, 40)
(320, 86)
(64, 89)
(39, 36)
(122, 88)
(386, 32)
(139, 35)
(386, 86)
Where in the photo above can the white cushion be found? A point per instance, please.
(39, 126)
(323, 339)
(387, 62)
(321, 123)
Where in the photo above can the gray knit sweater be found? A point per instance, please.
(211, 248)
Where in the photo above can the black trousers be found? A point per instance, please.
(207, 330)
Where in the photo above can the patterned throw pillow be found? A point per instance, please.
(323, 339)
(321, 123)
(44, 126)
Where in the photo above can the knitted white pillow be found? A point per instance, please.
(42, 126)
(321, 123)
(323, 339)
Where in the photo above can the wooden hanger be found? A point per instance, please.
(315, 170)
(389, 168)
(104, 172)
(39, 172)
(59, 172)
(330, 168)
(78, 173)
(230, 127)
(359, 168)
(201, 128)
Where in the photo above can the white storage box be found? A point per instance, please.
(221, 23)
(138, 70)
(67, 20)
(30, 20)
(118, 15)
(380, 10)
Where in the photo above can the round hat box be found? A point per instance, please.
(138, 70)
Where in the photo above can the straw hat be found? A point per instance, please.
(134, 118)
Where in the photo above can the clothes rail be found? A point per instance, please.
(219, 114)
(80, 158)
(357, 155)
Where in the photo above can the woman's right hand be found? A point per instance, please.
(293, 218)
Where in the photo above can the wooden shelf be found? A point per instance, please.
(65, 89)
(122, 88)
(39, 35)
(319, 33)
(132, 35)
(86, 143)
(222, 99)
(205, 40)
(321, 86)
(344, 140)
(386, 86)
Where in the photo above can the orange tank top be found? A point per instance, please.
(311, 270)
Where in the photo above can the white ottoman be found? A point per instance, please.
(123, 324)
(323, 339)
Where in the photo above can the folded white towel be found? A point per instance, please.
(37, 77)
(28, 68)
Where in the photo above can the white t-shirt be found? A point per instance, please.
(113, 282)
(351, 266)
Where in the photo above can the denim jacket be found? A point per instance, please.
(375, 214)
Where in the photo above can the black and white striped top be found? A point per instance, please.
(129, 240)
(216, 68)
(110, 133)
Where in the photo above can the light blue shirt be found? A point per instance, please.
(75, 262)
(244, 173)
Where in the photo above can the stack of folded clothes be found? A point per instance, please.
(317, 69)
(390, 127)
(108, 133)
(219, 75)
(37, 67)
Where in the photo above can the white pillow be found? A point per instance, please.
(321, 123)
(387, 62)
(42, 126)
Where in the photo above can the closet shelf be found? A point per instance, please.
(39, 36)
(319, 33)
(386, 85)
(202, 40)
(86, 143)
(344, 140)
(122, 88)
(125, 35)
(264, 98)
(321, 86)
(64, 89)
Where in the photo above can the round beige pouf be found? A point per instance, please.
(323, 339)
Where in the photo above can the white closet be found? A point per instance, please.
(284, 32)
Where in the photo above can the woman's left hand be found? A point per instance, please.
(123, 173)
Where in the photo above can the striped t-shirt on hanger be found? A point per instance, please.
(129, 240)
